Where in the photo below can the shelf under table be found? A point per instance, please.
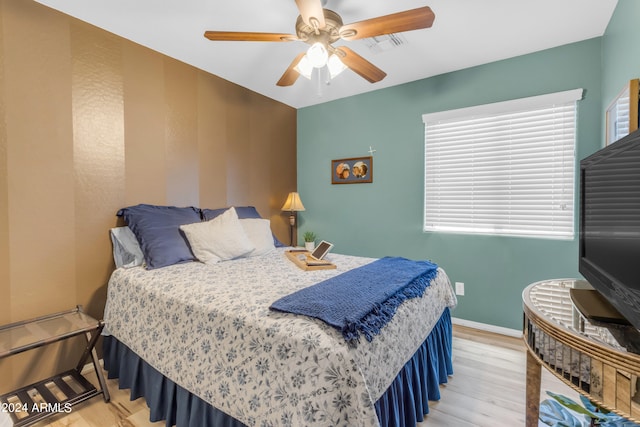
(47, 397)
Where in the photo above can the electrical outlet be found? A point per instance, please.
(459, 288)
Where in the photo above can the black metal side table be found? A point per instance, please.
(59, 393)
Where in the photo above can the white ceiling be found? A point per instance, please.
(465, 33)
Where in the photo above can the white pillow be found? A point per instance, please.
(219, 239)
(259, 232)
(126, 249)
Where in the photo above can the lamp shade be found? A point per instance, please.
(304, 67)
(317, 55)
(335, 65)
(293, 203)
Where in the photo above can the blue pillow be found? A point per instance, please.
(243, 212)
(157, 230)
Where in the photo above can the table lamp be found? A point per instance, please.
(293, 205)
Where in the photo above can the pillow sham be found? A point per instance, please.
(259, 232)
(220, 239)
(157, 230)
(243, 212)
(126, 249)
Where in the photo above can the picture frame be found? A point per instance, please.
(355, 170)
(622, 112)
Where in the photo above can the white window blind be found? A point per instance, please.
(504, 168)
(618, 116)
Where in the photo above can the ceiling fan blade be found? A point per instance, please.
(361, 66)
(248, 36)
(291, 75)
(311, 10)
(408, 20)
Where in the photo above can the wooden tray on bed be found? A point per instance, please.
(308, 264)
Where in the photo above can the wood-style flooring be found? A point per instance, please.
(487, 390)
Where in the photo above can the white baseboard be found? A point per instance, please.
(516, 333)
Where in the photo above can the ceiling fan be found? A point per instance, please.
(320, 27)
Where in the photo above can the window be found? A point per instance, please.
(618, 117)
(503, 169)
(622, 113)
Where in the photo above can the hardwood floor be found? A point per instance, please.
(487, 389)
(488, 384)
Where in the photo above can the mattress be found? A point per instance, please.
(208, 328)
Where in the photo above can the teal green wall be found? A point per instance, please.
(621, 50)
(385, 217)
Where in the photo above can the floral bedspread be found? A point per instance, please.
(209, 329)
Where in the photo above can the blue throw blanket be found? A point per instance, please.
(362, 300)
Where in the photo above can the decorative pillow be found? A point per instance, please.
(259, 232)
(243, 212)
(126, 249)
(219, 239)
(157, 230)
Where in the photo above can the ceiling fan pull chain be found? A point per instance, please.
(319, 82)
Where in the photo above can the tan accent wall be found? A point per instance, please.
(91, 122)
(5, 290)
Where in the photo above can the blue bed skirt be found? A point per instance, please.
(402, 405)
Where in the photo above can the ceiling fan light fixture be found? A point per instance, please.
(321, 28)
(304, 67)
(317, 55)
(335, 66)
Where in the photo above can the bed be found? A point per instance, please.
(201, 344)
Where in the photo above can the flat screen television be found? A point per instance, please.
(610, 224)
